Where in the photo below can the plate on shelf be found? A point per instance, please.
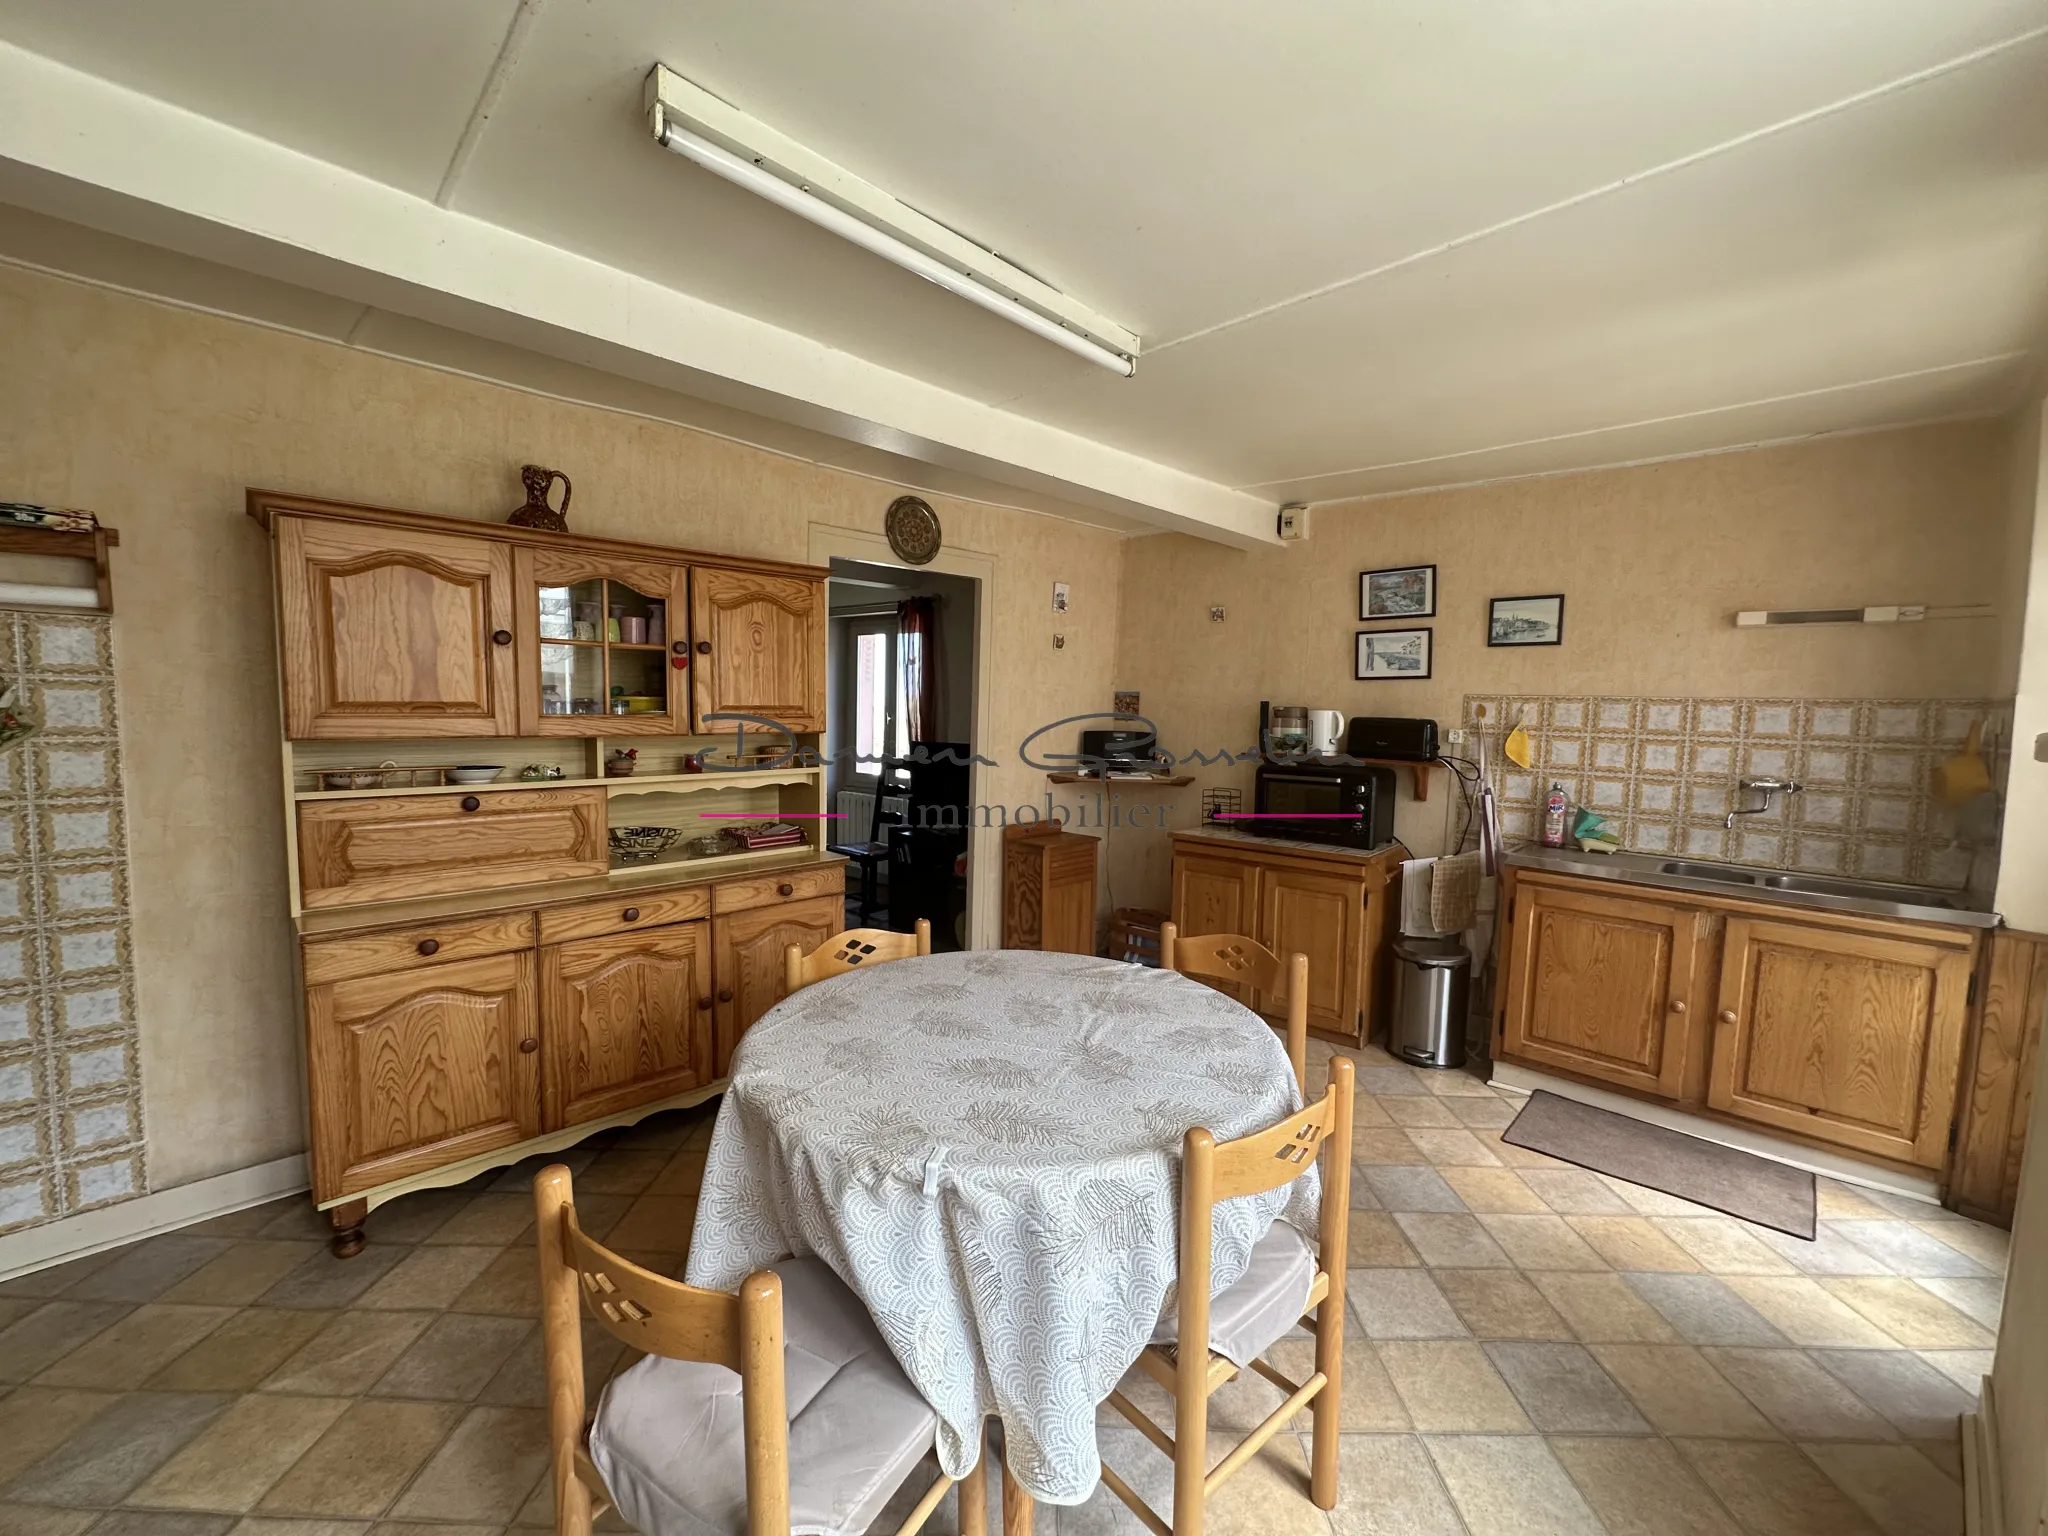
(476, 773)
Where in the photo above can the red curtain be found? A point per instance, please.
(917, 641)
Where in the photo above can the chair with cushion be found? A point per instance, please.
(849, 951)
(1231, 957)
(1208, 1341)
(778, 1409)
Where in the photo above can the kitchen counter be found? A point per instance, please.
(1871, 898)
(1254, 840)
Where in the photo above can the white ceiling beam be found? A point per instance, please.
(81, 148)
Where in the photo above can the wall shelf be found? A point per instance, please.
(1125, 778)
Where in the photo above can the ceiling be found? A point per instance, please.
(1369, 248)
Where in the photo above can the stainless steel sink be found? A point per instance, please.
(1858, 890)
(1721, 872)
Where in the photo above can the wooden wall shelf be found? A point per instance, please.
(1178, 782)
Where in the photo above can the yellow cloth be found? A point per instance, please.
(1517, 748)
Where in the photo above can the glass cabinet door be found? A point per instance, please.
(598, 657)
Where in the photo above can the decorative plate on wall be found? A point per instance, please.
(913, 529)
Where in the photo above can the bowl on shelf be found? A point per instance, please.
(642, 704)
(475, 773)
(634, 844)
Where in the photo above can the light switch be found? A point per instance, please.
(2041, 748)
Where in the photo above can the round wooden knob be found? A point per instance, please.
(681, 647)
(703, 1002)
(725, 994)
(471, 803)
(1678, 1005)
(785, 889)
(501, 637)
(703, 647)
(630, 915)
(529, 1045)
(430, 946)
(1727, 1015)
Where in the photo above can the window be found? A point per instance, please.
(879, 728)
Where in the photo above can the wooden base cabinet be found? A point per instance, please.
(625, 1020)
(1049, 889)
(750, 960)
(419, 1068)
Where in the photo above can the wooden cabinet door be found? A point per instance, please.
(1067, 912)
(1322, 916)
(747, 965)
(571, 670)
(388, 847)
(420, 1068)
(391, 632)
(1603, 986)
(1846, 1036)
(760, 649)
(1213, 895)
(625, 1020)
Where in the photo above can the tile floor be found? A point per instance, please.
(1534, 1350)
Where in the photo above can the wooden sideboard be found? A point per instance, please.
(1338, 906)
(1049, 888)
(483, 978)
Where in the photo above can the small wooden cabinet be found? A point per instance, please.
(1219, 895)
(1323, 916)
(393, 632)
(420, 1067)
(625, 1019)
(749, 961)
(1049, 889)
(760, 649)
(576, 662)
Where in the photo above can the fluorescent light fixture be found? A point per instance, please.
(691, 121)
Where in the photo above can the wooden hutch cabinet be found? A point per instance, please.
(485, 977)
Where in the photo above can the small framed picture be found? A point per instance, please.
(1393, 653)
(1059, 597)
(1405, 592)
(1526, 620)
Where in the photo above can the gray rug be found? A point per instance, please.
(1704, 1172)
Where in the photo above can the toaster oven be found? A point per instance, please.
(1325, 802)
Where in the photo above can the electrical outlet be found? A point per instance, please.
(1454, 738)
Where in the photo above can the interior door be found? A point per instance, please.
(1213, 895)
(391, 632)
(760, 649)
(599, 643)
(420, 1068)
(1323, 917)
(1603, 986)
(1848, 1036)
(625, 1020)
(749, 960)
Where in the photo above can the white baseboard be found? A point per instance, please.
(1983, 1493)
(164, 1211)
(1832, 1165)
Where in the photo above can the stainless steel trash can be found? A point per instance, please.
(1431, 980)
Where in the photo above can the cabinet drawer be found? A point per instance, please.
(786, 885)
(620, 914)
(387, 848)
(396, 949)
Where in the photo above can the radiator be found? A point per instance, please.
(856, 809)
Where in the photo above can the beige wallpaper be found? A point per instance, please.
(158, 418)
(1654, 561)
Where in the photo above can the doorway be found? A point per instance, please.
(900, 708)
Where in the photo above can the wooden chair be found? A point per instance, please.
(1187, 1367)
(1235, 958)
(668, 1439)
(855, 947)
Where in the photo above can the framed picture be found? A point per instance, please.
(1393, 653)
(1405, 592)
(1526, 620)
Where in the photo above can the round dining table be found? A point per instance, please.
(985, 1147)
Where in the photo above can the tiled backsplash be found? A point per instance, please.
(1664, 771)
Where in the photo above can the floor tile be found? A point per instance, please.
(488, 1220)
(1367, 1401)
(682, 1175)
(366, 1456)
(241, 1453)
(135, 1348)
(41, 1520)
(510, 1287)
(241, 1272)
(14, 1308)
(34, 1421)
(1366, 1111)
(1450, 1386)
(485, 1470)
(428, 1278)
(1681, 1393)
(415, 1217)
(1989, 1246)
(522, 1380)
(350, 1353)
(1452, 1241)
(1704, 1310)
(1574, 1192)
(1375, 1241)
(1631, 1242)
(1564, 1391)
(1502, 1304)
(1641, 1487)
(1267, 1495)
(1453, 1149)
(1835, 1201)
(58, 1278)
(1510, 1485)
(1542, 1242)
(1388, 1486)
(1401, 1304)
(1488, 1114)
(1981, 1301)
(237, 1355)
(622, 1172)
(324, 1281)
(51, 1332)
(1498, 1191)
(1412, 1189)
(454, 1358)
(1917, 1398)
(1967, 1368)
(1829, 1253)
(1774, 1490)
(148, 1269)
(1383, 1081)
(1378, 1148)
(518, 1179)
(1907, 1249)
(1804, 1401)
(1913, 1315)
(660, 1223)
(1809, 1314)
(247, 1222)
(1604, 1309)
(151, 1522)
(1456, 1083)
(1902, 1492)
(1423, 1110)
(120, 1447)
(1723, 1246)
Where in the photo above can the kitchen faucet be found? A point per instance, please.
(1769, 789)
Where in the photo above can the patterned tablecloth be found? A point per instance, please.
(985, 1146)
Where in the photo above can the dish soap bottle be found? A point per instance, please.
(1554, 817)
